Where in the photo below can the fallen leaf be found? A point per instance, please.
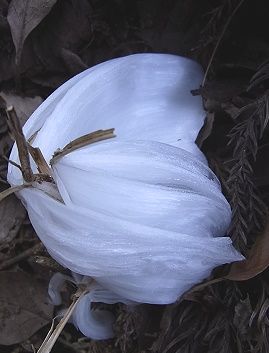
(23, 16)
(49, 39)
(12, 214)
(24, 307)
(24, 106)
(256, 262)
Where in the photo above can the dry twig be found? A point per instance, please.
(24, 255)
(40, 161)
(15, 127)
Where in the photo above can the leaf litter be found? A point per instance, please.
(24, 307)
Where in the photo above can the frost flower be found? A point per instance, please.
(142, 213)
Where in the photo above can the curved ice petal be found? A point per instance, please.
(142, 96)
(95, 324)
(55, 285)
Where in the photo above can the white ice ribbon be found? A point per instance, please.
(143, 214)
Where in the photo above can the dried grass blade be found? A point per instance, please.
(52, 335)
(16, 129)
(13, 189)
(83, 141)
(40, 161)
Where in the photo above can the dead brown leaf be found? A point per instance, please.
(24, 307)
(12, 214)
(257, 261)
(58, 53)
(23, 16)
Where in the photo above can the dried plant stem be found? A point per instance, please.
(40, 161)
(83, 141)
(24, 255)
(12, 162)
(16, 130)
(50, 263)
(220, 38)
(52, 335)
(12, 190)
(24, 148)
